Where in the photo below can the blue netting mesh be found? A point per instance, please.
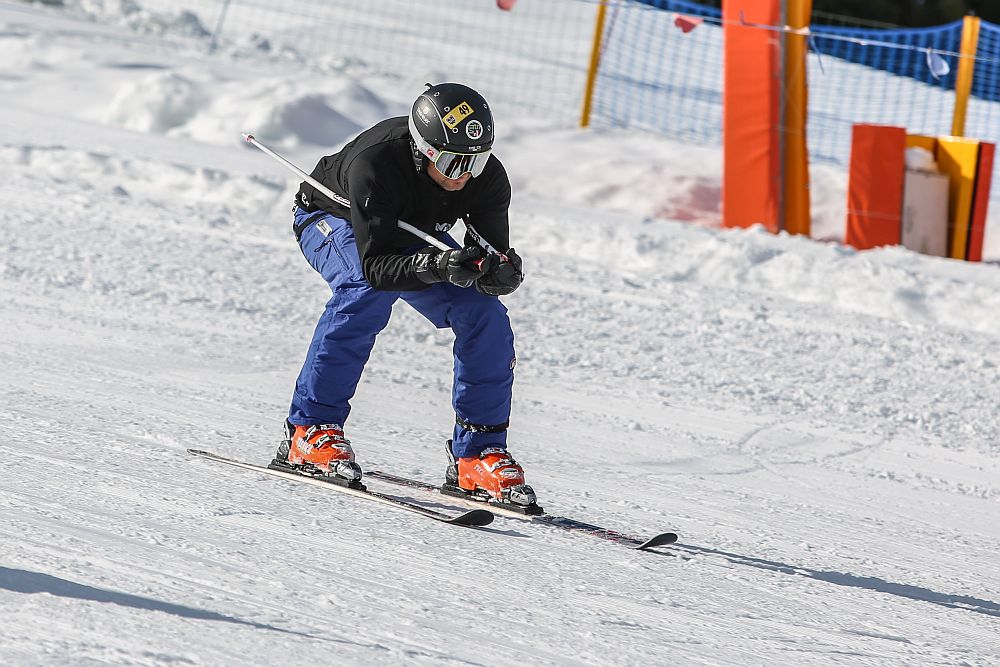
(534, 57)
(689, 8)
(903, 62)
(875, 82)
(653, 75)
(848, 84)
(656, 77)
(983, 118)
(986, 82)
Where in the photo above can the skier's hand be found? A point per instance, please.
(458, 266)
(503, 277)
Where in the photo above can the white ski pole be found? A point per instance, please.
(440, 245)
(483, 242)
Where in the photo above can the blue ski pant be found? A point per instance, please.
(356, 313)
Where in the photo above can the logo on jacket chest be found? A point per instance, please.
(443, 226)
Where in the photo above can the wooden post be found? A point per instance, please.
(595, 63)
(966, 69)
(795, 106)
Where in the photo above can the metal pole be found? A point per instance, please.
(218, 27)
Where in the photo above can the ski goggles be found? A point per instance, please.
(450, 163)
(453, 165)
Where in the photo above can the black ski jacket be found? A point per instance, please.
(375, 173)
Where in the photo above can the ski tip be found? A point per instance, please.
(474, 518)
(660, 540)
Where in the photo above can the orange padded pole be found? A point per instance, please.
(751, 191)
(875, 190)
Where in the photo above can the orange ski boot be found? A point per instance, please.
(318, 449)
(493, 475)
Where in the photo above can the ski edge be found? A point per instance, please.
(495, 508)
(563, 523)
(473, 518)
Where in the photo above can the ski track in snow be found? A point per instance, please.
(817, 424)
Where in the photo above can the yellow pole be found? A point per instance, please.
(797, 214)
(966, 68)
(595, 62)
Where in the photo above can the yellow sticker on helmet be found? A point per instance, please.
(458, 112)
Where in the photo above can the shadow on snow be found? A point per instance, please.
(964, 602)
(23, 581)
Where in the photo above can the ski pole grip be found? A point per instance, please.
(478, 238)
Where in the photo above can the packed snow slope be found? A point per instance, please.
(818, 424)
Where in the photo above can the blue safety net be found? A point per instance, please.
(983, 120)
(886, 77)
(656, 76)
(903, 52)
(680, 6)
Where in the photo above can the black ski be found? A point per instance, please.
(472, 518)
(573, 525)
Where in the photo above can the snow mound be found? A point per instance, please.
(892, 283)
(156, 182)
(296, 113)
(302, 119)
(889, 282)
(157, 103)
(359, 103)
(286, 113)
(133, 16)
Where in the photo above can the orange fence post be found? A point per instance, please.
(795, 181)
(595, 63)
(963, 78)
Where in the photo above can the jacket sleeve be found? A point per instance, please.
(489, 215)
(374, 210)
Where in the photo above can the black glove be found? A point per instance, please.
(503, 277)
(459, 266)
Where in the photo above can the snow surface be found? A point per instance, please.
(818, 424)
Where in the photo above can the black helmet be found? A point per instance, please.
(452, 126)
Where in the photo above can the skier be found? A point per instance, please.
(428, 170)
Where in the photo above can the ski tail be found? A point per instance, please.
(473, 518)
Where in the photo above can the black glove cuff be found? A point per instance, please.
(425, 265)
